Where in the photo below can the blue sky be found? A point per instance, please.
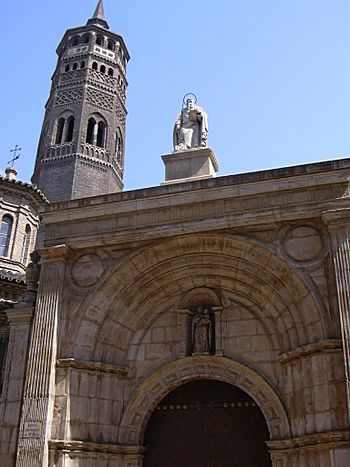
(273, 76)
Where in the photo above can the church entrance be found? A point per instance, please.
(207, 424)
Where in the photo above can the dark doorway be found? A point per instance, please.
(207, 424)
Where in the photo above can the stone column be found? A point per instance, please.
(19, 318)
(339, 229)
(38, 398)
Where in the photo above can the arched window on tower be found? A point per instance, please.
(85, 39)
(101, 134)
(75, 41)
(59, 131)
(5, 234)
(110, 71)
(99, 40)
(82, 64)
(110, 45)
(75, 66)
(26, 243)
(94, 66)
(103, 69)
(90, 131)
(119, 145)
(70, 129)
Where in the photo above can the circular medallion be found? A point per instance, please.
(87, 270)
(302, 243)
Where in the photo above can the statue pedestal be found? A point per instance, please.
(189, 165)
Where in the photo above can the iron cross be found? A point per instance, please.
(15, 156)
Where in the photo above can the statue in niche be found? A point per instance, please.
(202, 331)
(191, 126)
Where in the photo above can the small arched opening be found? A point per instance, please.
(101, 134)
(70, 129)
(90, 131)
(59, 130)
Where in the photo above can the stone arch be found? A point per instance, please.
(144, 281)
(150, 392)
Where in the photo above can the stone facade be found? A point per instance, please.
(266, 251)
(242, 279)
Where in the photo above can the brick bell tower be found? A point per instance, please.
(82, 143)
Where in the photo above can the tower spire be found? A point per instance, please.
(98, 18)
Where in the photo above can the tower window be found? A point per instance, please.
(67, 67)
(5, 234)
(75, 40)
(99, 40)
(26, 243)
(110, 45)
(110, 71)
(75, 66)
(103, 69)
(82, 65)
(94, 66)
(86, 39)
(90, 131)
(59, 131)
(70, 128)
(101, 135)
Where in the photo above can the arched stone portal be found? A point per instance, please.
(207, 423)
(152, 391)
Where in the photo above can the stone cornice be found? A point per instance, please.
(330, 345)
(85, 446)
(93, 367)
(316, 441)
(253, 199)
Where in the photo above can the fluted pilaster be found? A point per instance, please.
(339, 228)
(38, 392)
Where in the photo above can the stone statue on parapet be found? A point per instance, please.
(191, 126)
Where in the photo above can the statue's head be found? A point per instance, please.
(190, 104)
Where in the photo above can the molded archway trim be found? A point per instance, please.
(151, 391)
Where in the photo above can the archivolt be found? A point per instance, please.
(149, 393)
(157, 277)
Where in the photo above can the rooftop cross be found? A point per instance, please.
(15, 155)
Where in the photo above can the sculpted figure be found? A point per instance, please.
(191, 127)
(201, 331)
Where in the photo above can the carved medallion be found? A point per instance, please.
(302, 243)
(87, 270)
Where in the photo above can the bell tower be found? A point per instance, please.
(82, 143)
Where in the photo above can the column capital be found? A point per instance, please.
(55, 253)
(337, 217)
(20, 314)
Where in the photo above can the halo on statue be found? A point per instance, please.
(187, 96)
